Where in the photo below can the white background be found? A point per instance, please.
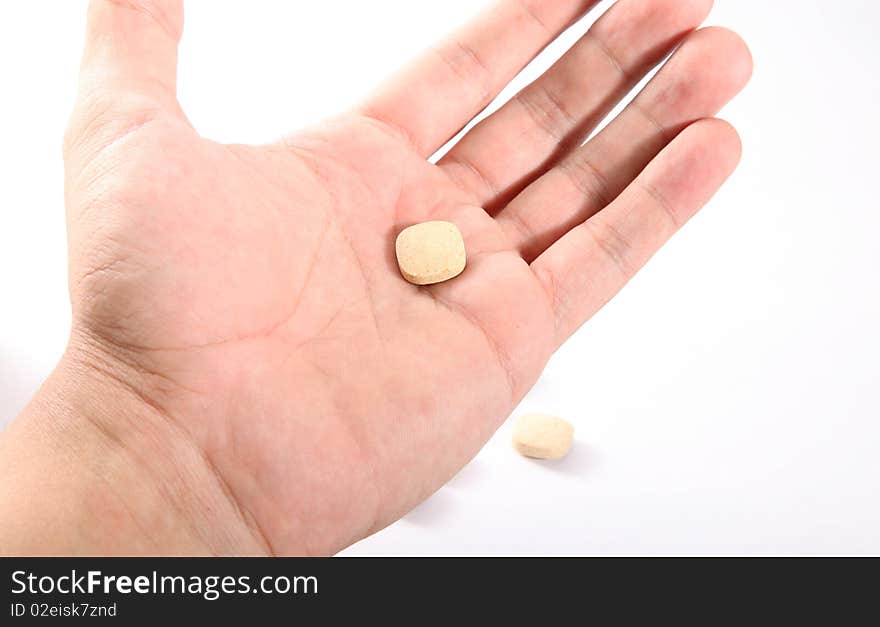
(725, 403)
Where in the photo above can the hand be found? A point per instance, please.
(246, 299)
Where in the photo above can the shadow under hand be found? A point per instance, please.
(431, 511)
(468, 477)
(438, 506)
(579, 462)
(19, 381)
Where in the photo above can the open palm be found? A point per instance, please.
(250, 294)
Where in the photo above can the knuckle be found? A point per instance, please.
(466, 63)
(588, 179)
(548, 111)
(99, 120)
(613, 245)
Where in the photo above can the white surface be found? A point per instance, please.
(726, 402)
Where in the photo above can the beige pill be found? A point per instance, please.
(542, 437)
(430, 252)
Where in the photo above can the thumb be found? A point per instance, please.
(128, 75)
(131, 46)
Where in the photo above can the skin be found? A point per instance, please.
(247, 371)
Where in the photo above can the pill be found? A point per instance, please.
(430, 252)
(542, 436)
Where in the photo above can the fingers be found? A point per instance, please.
(593, 261)
(441, 92)
(711, 67)
(131, 46)
(555, 113)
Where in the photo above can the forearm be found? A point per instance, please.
(91, 468)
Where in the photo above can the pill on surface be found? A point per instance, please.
(542, 437)
(430, 252)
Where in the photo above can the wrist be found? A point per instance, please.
(94, 466)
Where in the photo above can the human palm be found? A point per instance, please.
(250, 294)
